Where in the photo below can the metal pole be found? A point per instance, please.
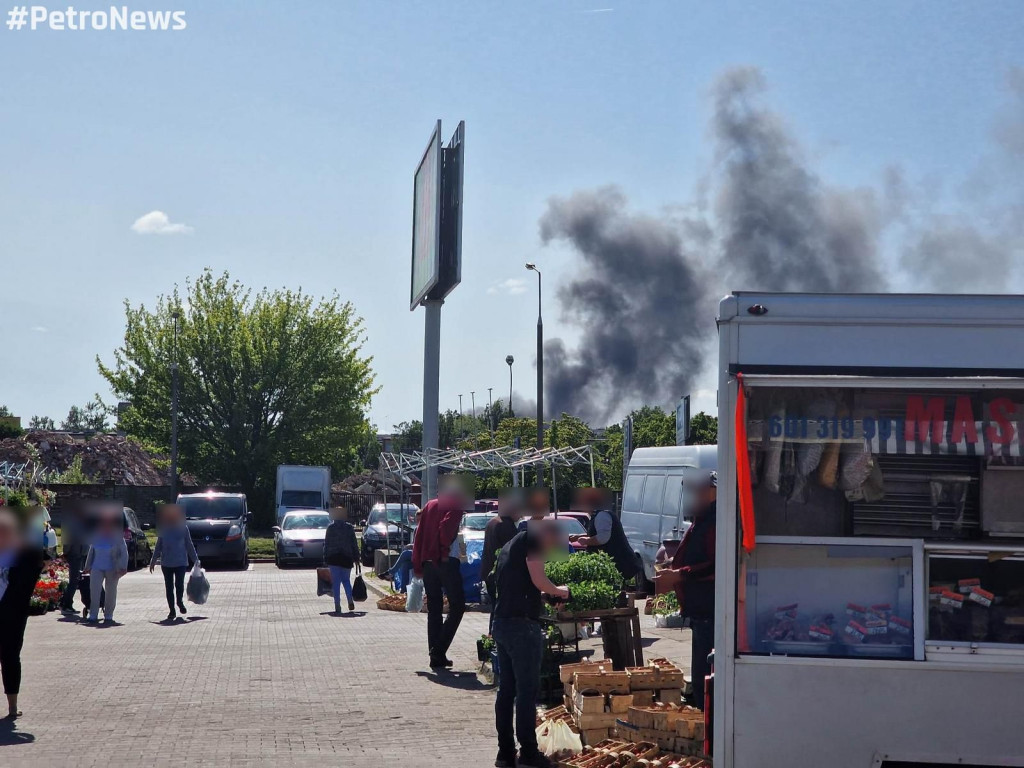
(490, 414)
(510, 360)
(431, 395)
(174, 411)
(554, 485)
(472, 395)
(462, 423)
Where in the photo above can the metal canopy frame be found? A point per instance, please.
(503, 457)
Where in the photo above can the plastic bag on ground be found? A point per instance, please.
(198, 587)
(557, 741)
(414, 595)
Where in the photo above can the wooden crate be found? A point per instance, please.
(601, 682)
(593, 735)
(566, 671)
(588, 702)
(642, 678)
(690, 728)
(619, 703)
(670, 696)
(643, 698)
(592, 721)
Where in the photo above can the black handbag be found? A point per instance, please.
(359, 588)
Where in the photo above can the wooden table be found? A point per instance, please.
(620, 633)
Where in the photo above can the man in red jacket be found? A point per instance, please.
(435, 558)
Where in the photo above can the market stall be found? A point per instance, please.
(870, 572)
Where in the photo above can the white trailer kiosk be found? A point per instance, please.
(870, 550)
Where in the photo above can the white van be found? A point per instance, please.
(653, 497)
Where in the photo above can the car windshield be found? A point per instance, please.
(571, 526)
(291, 522)
(301, 499)
(395, 514)
(476, 522)
(212, 507)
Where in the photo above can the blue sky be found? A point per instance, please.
(285, 137)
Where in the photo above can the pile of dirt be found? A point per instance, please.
(372, 482)
(105, 458)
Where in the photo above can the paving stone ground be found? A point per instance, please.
(259, 676)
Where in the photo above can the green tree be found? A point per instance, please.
(42, 422)
(652, 427)
(407, 436)
(8, 424)
(269, 378)
(91, 418)
(703, 429)
(565, 432)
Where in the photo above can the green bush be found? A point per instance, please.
(583, 568)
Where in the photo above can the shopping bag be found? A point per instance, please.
(414, 595)
(666, 580)
(557, 741)
(359, 589)
(323, 582)
(198, 587)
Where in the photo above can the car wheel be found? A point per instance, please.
(133, 561)
(243, 564)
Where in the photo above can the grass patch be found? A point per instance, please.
(259, 545)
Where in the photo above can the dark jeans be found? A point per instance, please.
(174, 583)
(520, 644)
(702, 638)
(75, 562)
(440, 579)
(12, 637)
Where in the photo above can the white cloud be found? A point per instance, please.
(157, 223)
(39, 329)
(513, 287)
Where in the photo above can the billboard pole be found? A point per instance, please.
(431, 389)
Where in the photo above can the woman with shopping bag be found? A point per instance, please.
(175, 552)
(341, 553)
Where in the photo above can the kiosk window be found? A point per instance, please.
(976, 597)
(834, 600)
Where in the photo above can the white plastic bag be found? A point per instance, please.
(557, 740)
(198, 587)
(414, 595)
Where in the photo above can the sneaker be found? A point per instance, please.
(68, 612)
(172, 616)
(535, 761)
(181, 609)
(439, 664)
(91, 620)
(505, 761)
(351, 607)
(337, 608)
(85, 613)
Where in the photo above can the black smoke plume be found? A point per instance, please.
(644, 291)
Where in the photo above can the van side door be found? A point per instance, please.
(650, 514)
(672, 525)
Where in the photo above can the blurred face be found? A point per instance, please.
(552, 538)
(455, 490)
(538, 503)
(512, 503)
(338, 513)
(171, 515)
(10, 535)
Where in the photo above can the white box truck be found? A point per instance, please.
(301, 487)
(654, 500)
(870, 565)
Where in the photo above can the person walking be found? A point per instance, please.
(694, 562)
(176, 553)
(341, 553)
(20, 567)
(74, 542)
(106, 563)
(435, 559)
(519, 583)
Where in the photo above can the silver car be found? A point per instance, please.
(300, 537)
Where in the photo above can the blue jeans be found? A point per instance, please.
(520, 645)
(340, 578)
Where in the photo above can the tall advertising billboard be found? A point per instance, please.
(426, 221)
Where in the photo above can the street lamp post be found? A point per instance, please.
(490, 414)
(540, 372)
(509, 360)
(175, 315)
(462, 423)
(472, 395)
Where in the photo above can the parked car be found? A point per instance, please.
(474, 523)
(571, 526)
(300, 537)
(219, 525)
(139, 550)
(486, 505)
(388, 526)
(583, 517)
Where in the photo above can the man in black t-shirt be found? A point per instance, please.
(520, 582)
(499, 532)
